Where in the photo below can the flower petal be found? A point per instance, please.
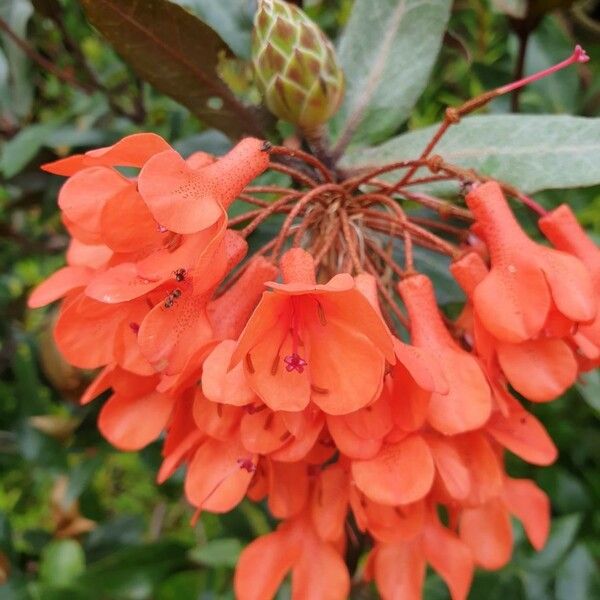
(217, 477)
(58, 284)
(487, 531)
(540, 370)
(400, 473)
(132, 422)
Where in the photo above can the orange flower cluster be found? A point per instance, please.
(298, 392)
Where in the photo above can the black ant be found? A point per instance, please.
(170, 299)
(180, 274)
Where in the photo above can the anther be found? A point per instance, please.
(321, 314)
(319, 390)
(266, 146)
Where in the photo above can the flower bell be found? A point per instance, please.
(310, 342)
(526, 279)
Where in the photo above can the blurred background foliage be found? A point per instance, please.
(80, 520)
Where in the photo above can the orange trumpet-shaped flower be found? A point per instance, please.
(398, 568)
(318, 570)
(561, 227)
(539, 369)
(487, 531)
(306, 342)
(467, 404)
(178, 327)
(526, 279)
(219, 474)
(186, 198)
(119, 420)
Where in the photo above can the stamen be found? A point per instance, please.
(219, 409)
(268, 422)
(275, 364)
(249, 363)
(319, 390)
(321, 314)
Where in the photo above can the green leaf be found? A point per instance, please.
(186, 584)
(562, 534)
(589, 388)
(218, 553)
(548, 45)
(387, 52)
(132, 572)
(532, 152)
(231, 19)
(177, 53)
(575, 576)
(62, 562)
(19, 98)
(21, 149)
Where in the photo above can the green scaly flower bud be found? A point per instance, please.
(295, 65)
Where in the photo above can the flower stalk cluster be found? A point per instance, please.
(317, 372)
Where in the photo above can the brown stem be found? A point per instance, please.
(352, 184)
(267, 189)
(470, 175)
(248, 199)
(306, 157)
(266, 213)
(294, 174)
(401, 217)
(462, 234)
(523, 37)
(349, 238)
(327, 244)
(387, 296)
(417, 232)
(314, 194)
(42, 61)
(445, 209)
(389, 261)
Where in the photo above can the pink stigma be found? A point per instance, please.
(294, 362)
(247, 464)
(580, 55)
(161, 228)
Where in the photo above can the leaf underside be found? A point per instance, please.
(178, 54)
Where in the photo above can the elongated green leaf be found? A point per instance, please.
(576, 575)
(17, 153)
(222, 552)
(387, 52)
(533, 152)
(562, 534)
(18, 97)
(589, 388)
(177, 53)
